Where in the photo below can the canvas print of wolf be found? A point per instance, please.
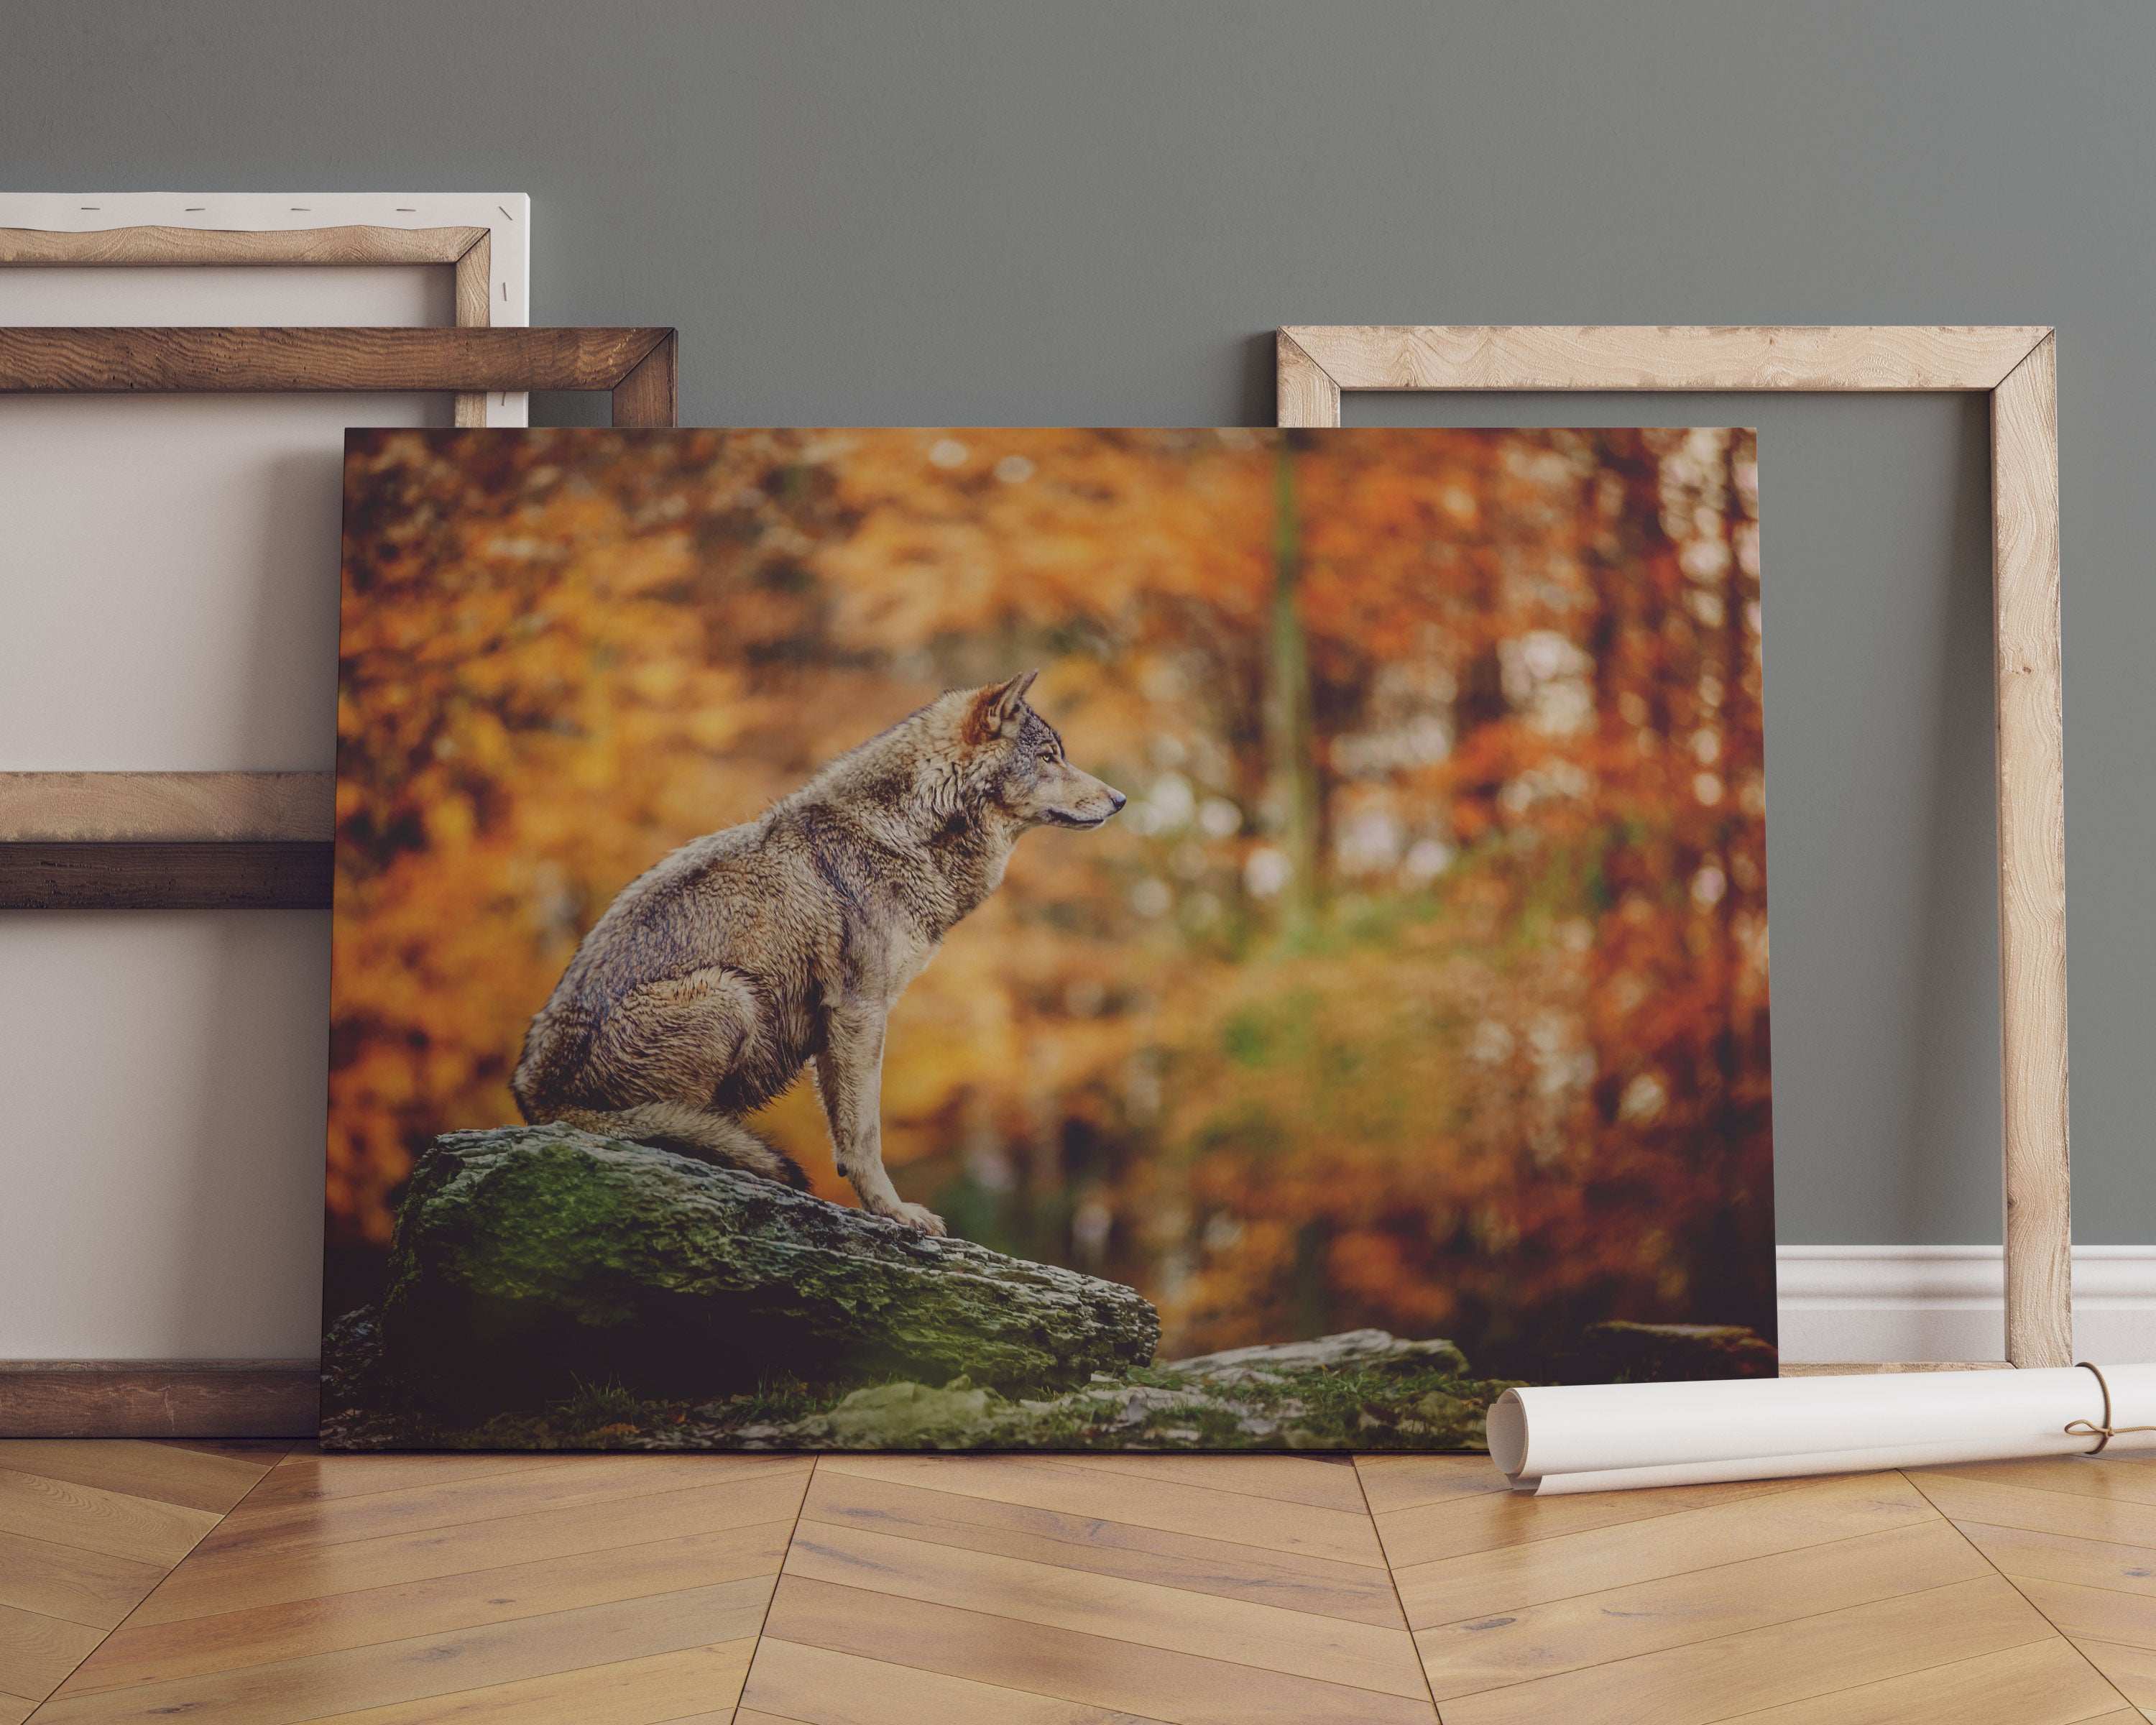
(1022, 939)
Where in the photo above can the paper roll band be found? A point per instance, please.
(2105, 1433)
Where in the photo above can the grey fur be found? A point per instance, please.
(717, 975)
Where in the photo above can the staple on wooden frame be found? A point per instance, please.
(2016, 366)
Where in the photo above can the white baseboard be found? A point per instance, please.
(1888, 1302)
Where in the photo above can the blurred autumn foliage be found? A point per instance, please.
(1423, 983)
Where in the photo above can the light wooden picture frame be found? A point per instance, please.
(469, 252)
(484, 238)
(2016, 367)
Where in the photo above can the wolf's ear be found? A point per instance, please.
(996, 710)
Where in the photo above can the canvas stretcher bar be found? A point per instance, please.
(2016, 366)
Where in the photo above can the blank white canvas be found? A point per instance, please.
(164, 1072)
(420, 294)
(170, 576)
(168, 600)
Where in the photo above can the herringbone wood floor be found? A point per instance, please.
(267, 1584)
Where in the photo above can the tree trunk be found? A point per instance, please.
(1291, 758)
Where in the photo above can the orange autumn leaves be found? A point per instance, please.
(1485, 1053)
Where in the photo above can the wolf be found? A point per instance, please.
(717, 975)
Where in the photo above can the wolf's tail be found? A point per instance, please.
(691, 1132)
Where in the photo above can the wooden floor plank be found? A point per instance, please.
(14, 1709)
(1318, 1585)
(636, 1692)
(1482, 1520)
(256, 1532)
(759, 1495)
(307, 1475)
(1062, 1590)
(1535, 1641)
(1961, 1498)
(37, 1651)
(1534, 1572)
(116, 1523)
(433, 1665)
(814, 1686)
(2041, 1683)
(1340, 1535)
(614, 1609)
(1813, 1656)
(85, 1587)
(153, 1471)
(1398, 1482)
(2119, 1479)
(2132, 1670)
(91, 1526)
(2021, 1553)
(1114, 1674)
(2097, 1612)
(160, 1652)
(1288, 1479)
(1233, 1631)
(266, 1451)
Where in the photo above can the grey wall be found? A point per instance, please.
(1091, 214)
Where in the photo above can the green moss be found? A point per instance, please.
(527, 1257)
(1355, 1407)
(555, 1290)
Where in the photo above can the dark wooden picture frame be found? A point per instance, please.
(637, 366)
(240, 840)
(258, 841)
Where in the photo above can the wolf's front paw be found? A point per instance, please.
(918, 1215)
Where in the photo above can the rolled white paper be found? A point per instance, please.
(1552, 1439)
